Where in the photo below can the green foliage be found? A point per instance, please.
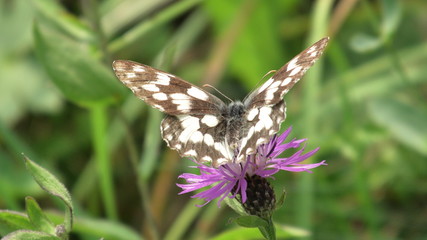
(363, 104)
(35, 224)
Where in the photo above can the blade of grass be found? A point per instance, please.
(98, 116)
(305, 197)
(184, 221)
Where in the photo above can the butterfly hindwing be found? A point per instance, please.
(264, 122)
(192, 136)
(164, 91)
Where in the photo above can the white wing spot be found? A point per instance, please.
(264, 116)
(130, 75)
(210, 120)
(158, 107)
(252, 114)
(179, 96)
(208, 139)
(249, 150)
(265, 85)
(269, 95)
(223, 149)
(295, 71)
(162, 79)
(259, 126)
(197, 93)
(138, 69)
(160, 96)
(260, 141)
(312, 49)
(177, 146)
(184, 105)
(206, 159)
(286, 81)
(275, 84)
(196, 137)
(221, 161)
(292, 64)
(190, 153)
(190, 125)
(150, 87)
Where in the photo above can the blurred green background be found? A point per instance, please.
(363, 104)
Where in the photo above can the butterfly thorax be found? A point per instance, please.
(236, 123)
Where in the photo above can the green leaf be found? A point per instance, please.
(392, 12)
(11, 221)
(362, 42)
(29, 235)
(405, 122)
(74, 70)
(52, 14)
(54, 187)
(37, 217)
(251, 221)
(235, 205)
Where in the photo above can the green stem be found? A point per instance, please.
(268, 231)
(98, 115)
(184, 220)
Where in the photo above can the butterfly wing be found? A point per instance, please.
(194, 125)
(198, 138)
(164, 91)
(273, 90)
(266, 108)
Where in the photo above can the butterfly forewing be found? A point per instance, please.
(165, 91)
(273, 90)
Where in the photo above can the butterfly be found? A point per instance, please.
(200, 125)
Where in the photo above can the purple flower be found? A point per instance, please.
(236, 179)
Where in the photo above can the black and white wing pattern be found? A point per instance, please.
(266, 109)
(194, 125)
(200, 125)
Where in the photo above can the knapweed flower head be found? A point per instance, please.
(247, 180)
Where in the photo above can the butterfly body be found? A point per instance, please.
(200, 125)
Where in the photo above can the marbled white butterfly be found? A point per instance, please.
(200, 125)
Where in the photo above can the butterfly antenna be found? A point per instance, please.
(271, 71)
(222, 94)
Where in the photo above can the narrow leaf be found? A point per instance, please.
(37, 217)
(405, 122)
(52, 13)
(53, 186)
(251, 221)
(11, 221)
(29, 235)
(235, 205)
